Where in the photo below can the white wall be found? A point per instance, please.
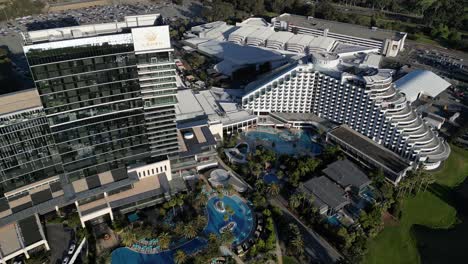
(153, 169)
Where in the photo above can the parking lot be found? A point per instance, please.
(10, 31)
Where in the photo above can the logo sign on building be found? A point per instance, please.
(151, 38)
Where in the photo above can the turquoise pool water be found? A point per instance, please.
(284, 141)
(242, 217)
(333, 220)
(244, 225)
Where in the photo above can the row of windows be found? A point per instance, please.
(152, 171)
(81, 66)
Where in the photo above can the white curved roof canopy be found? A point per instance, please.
(421, 82)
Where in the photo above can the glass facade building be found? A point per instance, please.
(93, 102)
(28, 152)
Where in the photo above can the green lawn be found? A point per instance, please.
(289, 260)
(455, 169)
(396, 244)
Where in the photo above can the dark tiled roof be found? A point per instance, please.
(119, 174)
(346, 173)
(30, 230)
(93, 182)
(327, 192)
(41, 196)
(55, 186)
(4, 204)
(370, 148)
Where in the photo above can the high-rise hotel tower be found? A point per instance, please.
(100, 128)
(364, 98)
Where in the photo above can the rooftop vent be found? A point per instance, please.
(188, 135)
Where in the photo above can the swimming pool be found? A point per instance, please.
(270, 178)
(125, 255)
(334, 221)
(284, 141)
(244, 225)
(242, 217)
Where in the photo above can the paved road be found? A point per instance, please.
(315, 246)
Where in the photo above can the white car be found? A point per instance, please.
(71, 249)
(65, 260)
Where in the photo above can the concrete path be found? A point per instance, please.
(315, 246)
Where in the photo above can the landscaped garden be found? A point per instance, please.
(396, 243)
(192, 228)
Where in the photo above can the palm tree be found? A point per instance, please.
(127, 236)
(294, 201)
(212, 238)
(230, 189)
(227, 237)
(179, 229)
(164, 240)
(201, 221)
(180, 202)
(172, 203)
(298, 245)
(180, 257)
(273, 189)
(190, 231)
(310, 199)
(201, 200)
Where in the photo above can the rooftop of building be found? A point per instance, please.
(18, 101)
(371, 149)
(339, 27)
(326, 192)
(24, 232)
(421, 82)
(194, 140)
(64, 33)
(346, 173)
(213, 105)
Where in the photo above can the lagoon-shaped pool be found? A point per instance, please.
(242, 217)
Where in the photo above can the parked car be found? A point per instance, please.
(65, 260)
(71, 249)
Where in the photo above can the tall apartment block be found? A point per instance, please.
(363, 98)
(98, 131)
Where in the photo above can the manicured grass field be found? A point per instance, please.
(396, 244)
(289, 260)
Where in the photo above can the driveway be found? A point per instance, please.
(315, 246)
(59, 240)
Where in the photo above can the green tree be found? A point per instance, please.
(164, 240)
(201, 221)
(190, 230)
(445, 12)
(179, 229)
(273, 189)
(180, 257)
(326, 10)
(294, 201)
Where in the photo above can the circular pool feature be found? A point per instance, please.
(229, 227)
(188, 135)
(219, 206)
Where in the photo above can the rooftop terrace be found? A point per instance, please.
(17, 101)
